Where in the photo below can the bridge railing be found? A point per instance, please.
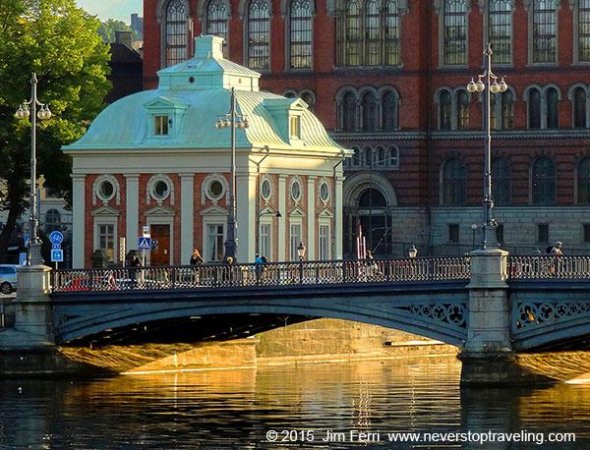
(268, 274)
(549, 267)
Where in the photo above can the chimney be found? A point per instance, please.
(123, 37)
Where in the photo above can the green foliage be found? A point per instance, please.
(107, 29)
(61, 44)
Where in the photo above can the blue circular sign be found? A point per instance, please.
(56, 237)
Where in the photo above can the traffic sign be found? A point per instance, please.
(56, 237)
(57, 255)
(144, 243)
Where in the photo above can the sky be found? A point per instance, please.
(112, 9)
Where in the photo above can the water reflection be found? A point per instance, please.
(236, 408)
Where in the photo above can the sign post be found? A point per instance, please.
(57, 254)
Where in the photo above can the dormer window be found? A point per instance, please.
(295, 127)
(161, 125)
(166, 116)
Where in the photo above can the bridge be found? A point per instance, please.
(488, 304)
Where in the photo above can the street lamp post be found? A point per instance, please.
(488, 86)
(28, 109)
(301, 253)
(232, 120)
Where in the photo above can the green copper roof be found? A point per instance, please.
(191, 96)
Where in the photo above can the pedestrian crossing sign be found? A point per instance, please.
(144, 243)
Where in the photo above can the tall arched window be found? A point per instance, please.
(300, 34)
(501, 181)
(368, 34)
(175, 50)
(444, 110)
(454, 39)
(543, 181)
(349, 112)
(580, 100)
(500, 30)
(507, 110)
(258, 34)
(583, 28)
(389, 111)
(217, 20)
(583, 182)
(552, 108)
(534, 105)
(462, 110)
(372, 33)
(453, 182)
(369, 111)
(543, 31)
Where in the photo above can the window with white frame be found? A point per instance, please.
(294, 240)
(264, 240)
(106, 240)
(324, 243)
(161, 125)
(215, 239)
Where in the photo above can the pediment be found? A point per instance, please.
(163, 104)
(326, 213)
(214, 211)
(160, 211)
(105, 211)
(297, 211)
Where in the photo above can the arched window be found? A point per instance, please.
(462, 110)
(368, 34)
(300, 34)
(500, 30)
(534, 105)
(176, 32)
(507, 109)
(453, 182)
(501, 181)
(349, 112)
(372, 198)
(454, 38)
(369, 111)
(217, 20)
(580, 100)
(309, 98)
(444, 110)
(543, 181)
(372, 33)
(543, 31)
(583, 28)
(389, 111)
(353, 34)
(258, 34)
(552, 108)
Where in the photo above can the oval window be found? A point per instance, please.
(265, 189)
(324, 192)
(296, 191)
(161, 190)
(106, 190)
(215, 189)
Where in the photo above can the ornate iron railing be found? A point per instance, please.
(549, 267)
(269, 274)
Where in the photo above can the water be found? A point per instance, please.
(235, 409)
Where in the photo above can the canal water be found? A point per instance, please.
(368, 404)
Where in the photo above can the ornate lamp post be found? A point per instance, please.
(301, 253)
(487, 83)
(232, 120)
(28, 109)
(413, 251)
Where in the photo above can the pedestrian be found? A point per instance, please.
(556, 252)
(134, 267)
(556, 249)
(258, 267)
(195, 261)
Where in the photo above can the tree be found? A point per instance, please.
(107, 29)
(60, 43)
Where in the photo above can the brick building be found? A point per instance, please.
(388, 79)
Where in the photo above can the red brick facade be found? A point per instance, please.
(417, 179)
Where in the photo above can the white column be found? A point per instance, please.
(79, 213)
(311, 219)
(246, 217)
(132, 211)
(282, 220)
(187, 217)
(338, 218)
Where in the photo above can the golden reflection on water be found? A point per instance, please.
(234, 408)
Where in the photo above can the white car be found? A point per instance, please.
(8, 278)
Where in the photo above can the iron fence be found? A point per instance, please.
(268, 274)
(549, 267)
